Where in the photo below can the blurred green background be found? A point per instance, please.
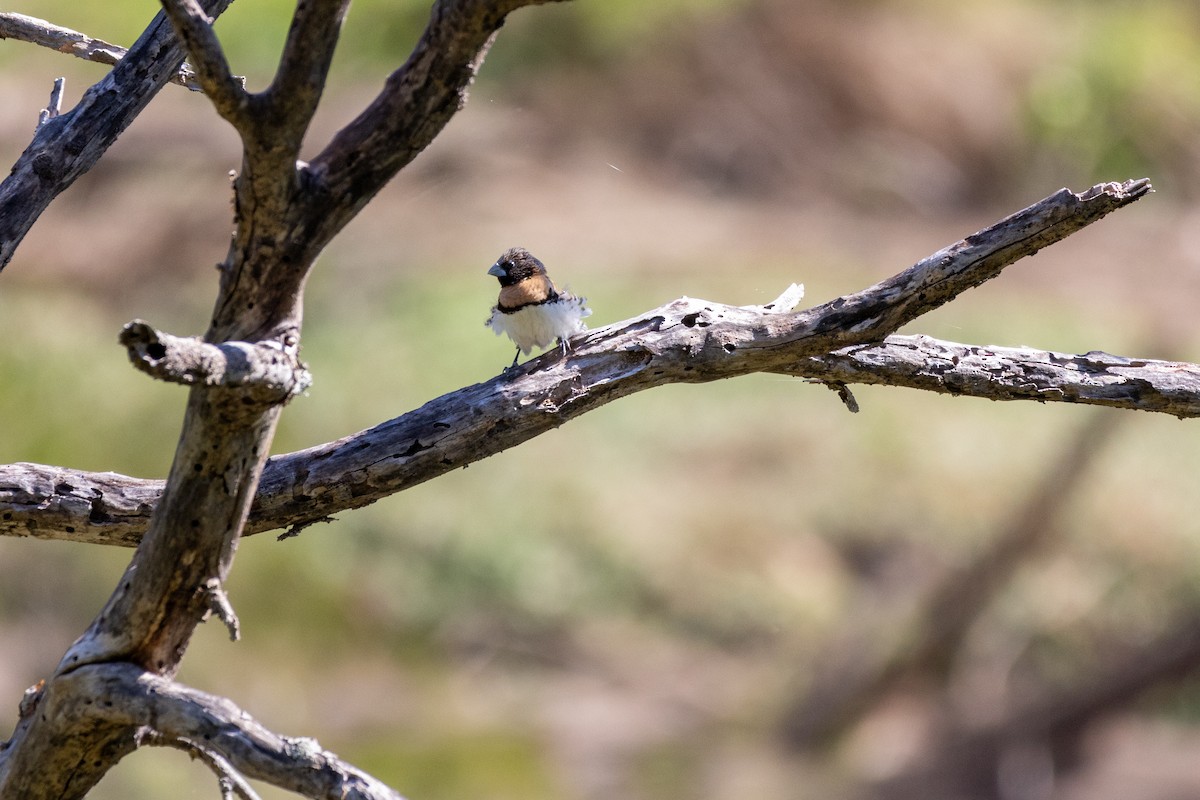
(632, 605)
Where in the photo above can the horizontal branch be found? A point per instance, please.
(1013, 373)
(64, 40)
(268, 372)
(686, 341)
(107, 508)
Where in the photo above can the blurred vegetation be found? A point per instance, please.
(628, 605)
(379, 33)
(1124, 96)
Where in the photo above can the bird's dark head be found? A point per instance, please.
(516, 265)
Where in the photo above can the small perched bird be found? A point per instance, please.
(531, 310)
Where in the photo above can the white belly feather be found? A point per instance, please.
(540, 325)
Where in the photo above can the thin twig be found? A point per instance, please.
(54, 107)
(230, 782)
(64, 40)
(222, 609)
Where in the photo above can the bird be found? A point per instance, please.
(531, 309)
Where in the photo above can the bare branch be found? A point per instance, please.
(269, 373)
(188, 549)
(416, 103)
(178, 712)
(194, 27)
(1013, 373)
(273, 124)
(54, 107)
(684, 341)
(151, 709)
(106, 508)
(878, 311)
(69, 145)
(232, 784)
(307, 54)
(55, 502)
(64, 40)
(220, 607)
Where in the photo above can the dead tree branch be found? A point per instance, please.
(64, 40)
(270, 372)
(1015, 373)
(158, 711)
(65, 741)
(54, 107)
(415, 104)
(684, 341)
(71, 143)
(194, 28)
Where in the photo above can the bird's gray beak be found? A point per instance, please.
(496, 270)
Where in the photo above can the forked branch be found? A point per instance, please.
(416, 102)
(166, 713)
(71, 143)
(194, 27)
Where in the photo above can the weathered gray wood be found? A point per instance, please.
(684, 341)
(267, 371)
(67, 736)
(71, 143)
(158, 711)
(1014, 373)
(46, 34)
(107, 508)
(59, 503)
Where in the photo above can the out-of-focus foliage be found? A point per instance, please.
(1121, 95)
(379, 33)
